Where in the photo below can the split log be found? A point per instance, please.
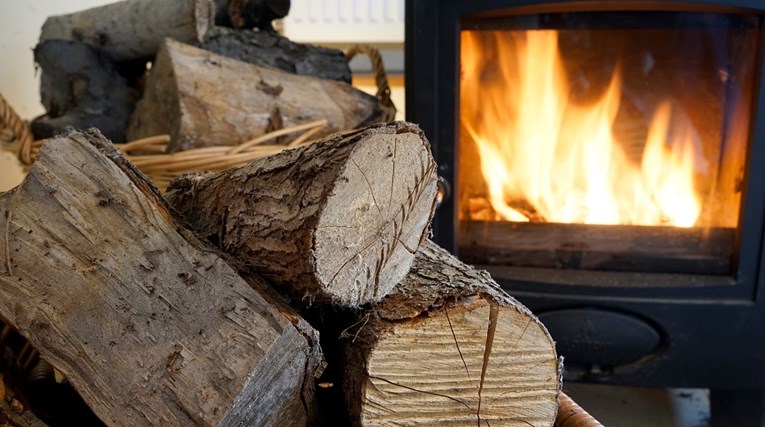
(204, 99)
(132, 29)
(81, 88)
(447, 347)
(149, 324)
(272, 50)
(658, 249)
(338, 220)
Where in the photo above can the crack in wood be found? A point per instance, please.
(393, 172)
(415, 194)
(408, 249)
(493, 318)
(432, 393)
(369, 185)
(340, 270)
(7, 234)
(457, 344)
(510, 351)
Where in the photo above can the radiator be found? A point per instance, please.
(346, 21)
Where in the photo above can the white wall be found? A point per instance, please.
(20, 23)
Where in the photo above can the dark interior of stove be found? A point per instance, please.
(521, 100)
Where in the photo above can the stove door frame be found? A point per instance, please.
(700, 318)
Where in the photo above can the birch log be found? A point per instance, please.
(132, 29)
(338, 220)
(448, 347)
(149, 324)
(204, 99)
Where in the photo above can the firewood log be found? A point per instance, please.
(14, 417)
(338, 220)
(272, 50)
(446, 347)
(151, 325)
(81, 88)
(204, 99)
(250, 13)
(133, 29)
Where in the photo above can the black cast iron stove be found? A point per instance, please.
(604, 160)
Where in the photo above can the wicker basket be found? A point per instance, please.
(149, 154)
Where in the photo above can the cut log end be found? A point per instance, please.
(502, 376)
(336, 221)
(375, 218)
(448, 344)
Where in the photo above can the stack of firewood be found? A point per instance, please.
(299, 289)
(196, 81)
(208, 84)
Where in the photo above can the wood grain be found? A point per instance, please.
(597, 247)
(448, 347)
(151, 325)
(204, 99)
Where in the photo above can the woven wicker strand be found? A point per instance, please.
(149, 154)
(22, 143)
(572, 415)
(381, 78)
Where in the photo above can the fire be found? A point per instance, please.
(560, 157)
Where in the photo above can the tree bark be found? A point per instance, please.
(80, 88)
(132, 29)
(337, 221)
(250, 13)
(447, 347)
(272, 50)
(149, 324)
(204, 99)
(10, 417)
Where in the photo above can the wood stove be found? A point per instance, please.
(602, 160)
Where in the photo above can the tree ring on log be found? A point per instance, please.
(504, 375)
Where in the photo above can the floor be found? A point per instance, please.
(617, 406)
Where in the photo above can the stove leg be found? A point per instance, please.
(741, 407)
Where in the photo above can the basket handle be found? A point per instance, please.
(22, 142)
(570, 414)
(381, 79)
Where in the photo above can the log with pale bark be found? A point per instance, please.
(150, 324)
(336, 221)
(447, 347)
(132, 29)
(204, 99)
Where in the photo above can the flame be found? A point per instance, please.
(561, 157)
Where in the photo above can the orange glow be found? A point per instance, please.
(560, 157)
